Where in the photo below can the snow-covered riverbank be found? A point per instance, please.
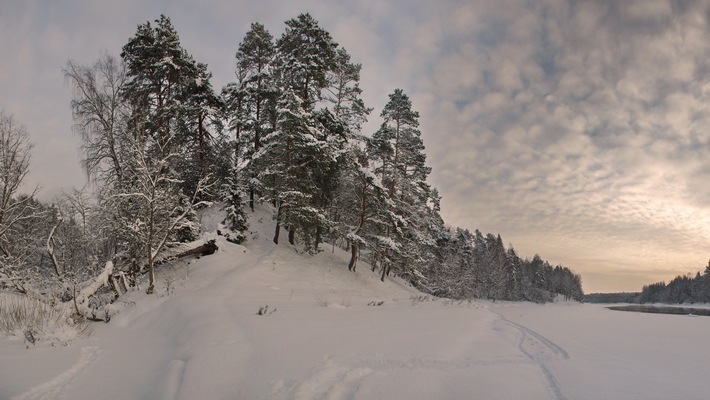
(331, 334)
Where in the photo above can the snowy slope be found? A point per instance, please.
(200, 337)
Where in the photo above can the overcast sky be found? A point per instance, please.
(579, 130)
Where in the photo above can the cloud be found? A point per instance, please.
(577, 130)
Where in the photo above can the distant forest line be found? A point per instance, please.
(682, 289)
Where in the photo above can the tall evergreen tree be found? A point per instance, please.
(343, 92)
(170, 100)
(311, 139)
(306, 54)
(157, 68)
(360, 203)
(287, 188)
(402, 168)
(251, 103)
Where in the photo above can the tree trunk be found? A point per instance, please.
(251, 199)
(204, 250)
(151, 259)
(278, 226)
(318, 238)
(151, 277)
(353, 257)
(201, 143)
(292, 235)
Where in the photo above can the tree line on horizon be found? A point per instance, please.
(681, 289)
(159, 143)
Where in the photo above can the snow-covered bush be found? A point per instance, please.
(38, 321)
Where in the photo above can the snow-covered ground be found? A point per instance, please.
(324, 336)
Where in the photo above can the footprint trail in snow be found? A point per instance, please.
(539, 350)
(52, 389)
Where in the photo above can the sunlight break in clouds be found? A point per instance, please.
(577, 130)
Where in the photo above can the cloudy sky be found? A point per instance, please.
(579, 130)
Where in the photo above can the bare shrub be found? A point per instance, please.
(36, 321)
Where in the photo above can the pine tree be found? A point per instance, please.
(306, 142)
(199, 127)
(515, 280)
(287, 185)
(255, 59)
(251, 104)
(360, 203)
(452, 274)
(170, 99)
(343, 92)
(399, 153)
(306, 54)
(236, 219)
(156, 70)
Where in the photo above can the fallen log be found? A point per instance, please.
(121, 281)
(81, 298)
(205, 250)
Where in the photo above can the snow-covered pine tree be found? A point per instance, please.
(399, 151)
(514, 267)
(169, 97)
(341, 122)
(496, 261)
(360, 203)
(233, 156)
(251, 103)
(199, 130)
(305, 55)
(482, 270)
(359, 191)
(236, 219)
(311, 140)
(284, 179)
(343, 92)
(452, 274)
(156, 70)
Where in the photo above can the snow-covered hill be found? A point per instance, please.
(327, 333)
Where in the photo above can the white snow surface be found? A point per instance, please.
(200, 337)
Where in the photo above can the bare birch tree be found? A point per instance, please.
(99, 115)
(15, 152)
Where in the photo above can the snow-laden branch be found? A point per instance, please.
(50, 247)
(81, 299)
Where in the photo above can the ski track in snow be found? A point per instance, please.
(539, 350)
(332, 382)
(52, 389)
(171, 384)
(341, 377)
